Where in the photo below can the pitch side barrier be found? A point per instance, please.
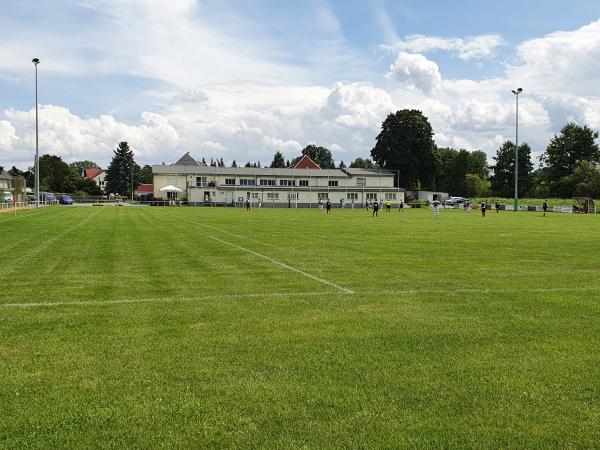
(24, 205)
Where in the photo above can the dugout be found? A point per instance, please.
(585, 205)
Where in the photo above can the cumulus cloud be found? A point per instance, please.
(72, 137)
(416, 71)
(474, 47)
(561, 62)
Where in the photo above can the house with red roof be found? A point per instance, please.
(306, 163)
(97, 174)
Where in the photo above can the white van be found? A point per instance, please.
(7, 197)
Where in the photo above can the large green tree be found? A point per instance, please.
(360, 163)
(503, 180)
(452, 169)
(53, 172)
(146, 176)
(121, 171)
(321, 155)
(565, 152)
(406, 144)
(278, 161)
(584, 181)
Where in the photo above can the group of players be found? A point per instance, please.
(388, 206)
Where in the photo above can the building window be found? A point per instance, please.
(322, 196)
(390, 196)
(333, 183)
(371, 195)
(303, 183)
(361, 182)
(200, 182)
(247, 182)
(287, 182)
(352, 196)
(293, 196)
(272, 195)
(267, 182)
(172, 181)
(229, 181)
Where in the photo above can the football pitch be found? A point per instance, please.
(141, 327)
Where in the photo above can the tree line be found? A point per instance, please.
(58, 176)
(405, 144)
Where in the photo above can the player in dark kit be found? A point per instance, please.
(248, 205)
(328, 206)
(376, 208)
(545, 207)
(483, 206)
(497, 206)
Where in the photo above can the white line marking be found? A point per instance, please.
(285, 266)
(171, 299)
(243, 295)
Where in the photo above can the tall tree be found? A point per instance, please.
(406, 144)
(503, 180)
(477, 164)
(234, 164)
(221, 162)
(146, 176)
(321, 155)
(341, 165)
(566, 150)
(53, 171)
(80, 166)
(360, 163)
(584, 181)
(278, 161)
(119, 173)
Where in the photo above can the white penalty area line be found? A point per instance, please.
(285, 266)
(243, 295)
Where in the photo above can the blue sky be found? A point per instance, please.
(243, 79)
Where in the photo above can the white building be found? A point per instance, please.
(289, 187)
(97, 175)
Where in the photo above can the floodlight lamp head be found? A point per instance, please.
(35, 61)
(520, 90)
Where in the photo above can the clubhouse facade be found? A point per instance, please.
(303, 185)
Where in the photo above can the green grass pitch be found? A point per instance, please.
(139, 327)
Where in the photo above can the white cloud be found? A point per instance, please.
(474, 47)
(416, 71)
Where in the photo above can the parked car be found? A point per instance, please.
(65, 200)
(455, 200)
(47, 197)
(7, 197)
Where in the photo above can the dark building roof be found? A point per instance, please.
(187, 160)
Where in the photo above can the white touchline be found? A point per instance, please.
(171, 299)
(285, 266)
(241, 295)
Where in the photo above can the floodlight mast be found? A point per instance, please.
(35, 62)
(517, 92)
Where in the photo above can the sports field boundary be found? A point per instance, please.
(337, 293)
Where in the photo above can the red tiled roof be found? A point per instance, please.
(306, 163)
(145, 188)
(92, 173)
